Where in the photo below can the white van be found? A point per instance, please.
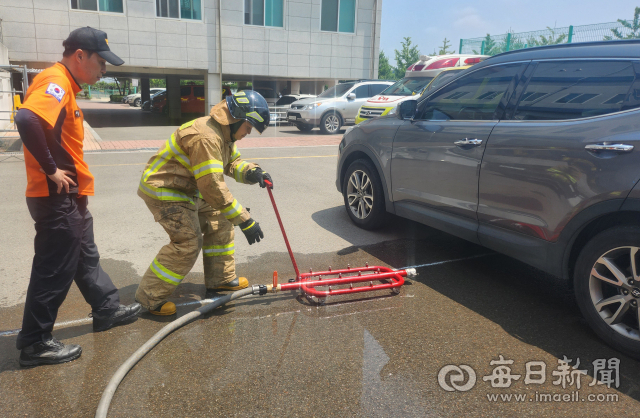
(416, 79)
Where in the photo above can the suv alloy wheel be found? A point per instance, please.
(330, 123)
(607, 287)
(363, 195)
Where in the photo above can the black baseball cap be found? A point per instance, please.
(92, 39)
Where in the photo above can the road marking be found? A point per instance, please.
(206, 301)
(262, 158)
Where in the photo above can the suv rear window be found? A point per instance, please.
(285, 100)
(577, 89)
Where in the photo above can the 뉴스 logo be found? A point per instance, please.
(456, 376)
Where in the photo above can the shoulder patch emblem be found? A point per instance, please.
(55, 91)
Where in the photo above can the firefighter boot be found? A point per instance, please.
(237, 284)
(166, 309)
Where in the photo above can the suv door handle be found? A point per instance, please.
(467, 142)
(609, 147)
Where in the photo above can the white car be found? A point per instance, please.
(136, 99)
(278, 112)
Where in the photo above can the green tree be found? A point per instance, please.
(408, 55)
(157, 82)
(444, 49)
(491, 47)
(385, 70)
(633, 27)
(551, 39)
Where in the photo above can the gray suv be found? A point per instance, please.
(532, 153)
(335, 107)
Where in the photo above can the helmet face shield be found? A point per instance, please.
(249, 105)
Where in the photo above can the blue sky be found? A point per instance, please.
(428, 22)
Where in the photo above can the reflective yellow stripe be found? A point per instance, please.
(235, 154)
(207, 167)
(252, 224)
(234, 210)
(178, 153)
(186, 125)
(163, 193)
(165, 274)
(160, 160)
(240, 93)
(218, 250)
(237, 174)
(255, 116)
(242, 100)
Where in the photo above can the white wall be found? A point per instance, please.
(34, 30)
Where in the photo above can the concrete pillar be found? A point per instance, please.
(212, 91)
(295, 86)
(144, 90)
(174, 106)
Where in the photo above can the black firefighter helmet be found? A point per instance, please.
(249, 105)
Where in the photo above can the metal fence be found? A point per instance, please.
(8, 132)
(496, 44)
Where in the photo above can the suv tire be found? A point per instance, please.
(304, 128)
(137, 102)
(330, 123)
(363, 195)
(618, 245)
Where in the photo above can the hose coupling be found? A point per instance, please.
(259, 289)
(411, 272)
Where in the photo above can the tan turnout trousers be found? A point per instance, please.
(190, 229)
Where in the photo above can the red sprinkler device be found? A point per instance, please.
(366, 279)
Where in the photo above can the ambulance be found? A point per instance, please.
(416, 79)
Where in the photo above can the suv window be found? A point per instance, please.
(362, 91)
(474, 97)
(285, 100)
(576, 89)
(375, 89)
(185, 91)
(336, 91)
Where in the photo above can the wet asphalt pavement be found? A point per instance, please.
(371, 355)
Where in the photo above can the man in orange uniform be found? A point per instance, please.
(58, 183)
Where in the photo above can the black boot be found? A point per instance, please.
(121, 316)
(48, 351)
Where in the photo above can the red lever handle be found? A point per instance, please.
(269, 184)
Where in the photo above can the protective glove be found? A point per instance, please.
(258, 175)
(251, 230)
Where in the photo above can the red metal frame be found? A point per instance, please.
(307, 282)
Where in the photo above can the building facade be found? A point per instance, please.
(299, 44)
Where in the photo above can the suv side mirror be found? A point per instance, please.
(351, 96)
(407, 110)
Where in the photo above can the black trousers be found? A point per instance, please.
(64, 252)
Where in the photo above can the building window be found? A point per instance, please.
(263, 12)
(114, 6)
(338, 16)
(179, 9)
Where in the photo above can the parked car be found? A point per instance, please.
(136, 99)
(335, 107)
(191, 97)
(268, 93)
(417, 77)
(278, 112)
(533, 153)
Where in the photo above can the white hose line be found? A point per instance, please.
(110, 390)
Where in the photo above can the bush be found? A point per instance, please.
(116, 98)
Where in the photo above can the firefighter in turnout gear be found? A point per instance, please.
(184, 188)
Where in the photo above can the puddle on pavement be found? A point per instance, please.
(366, 355)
